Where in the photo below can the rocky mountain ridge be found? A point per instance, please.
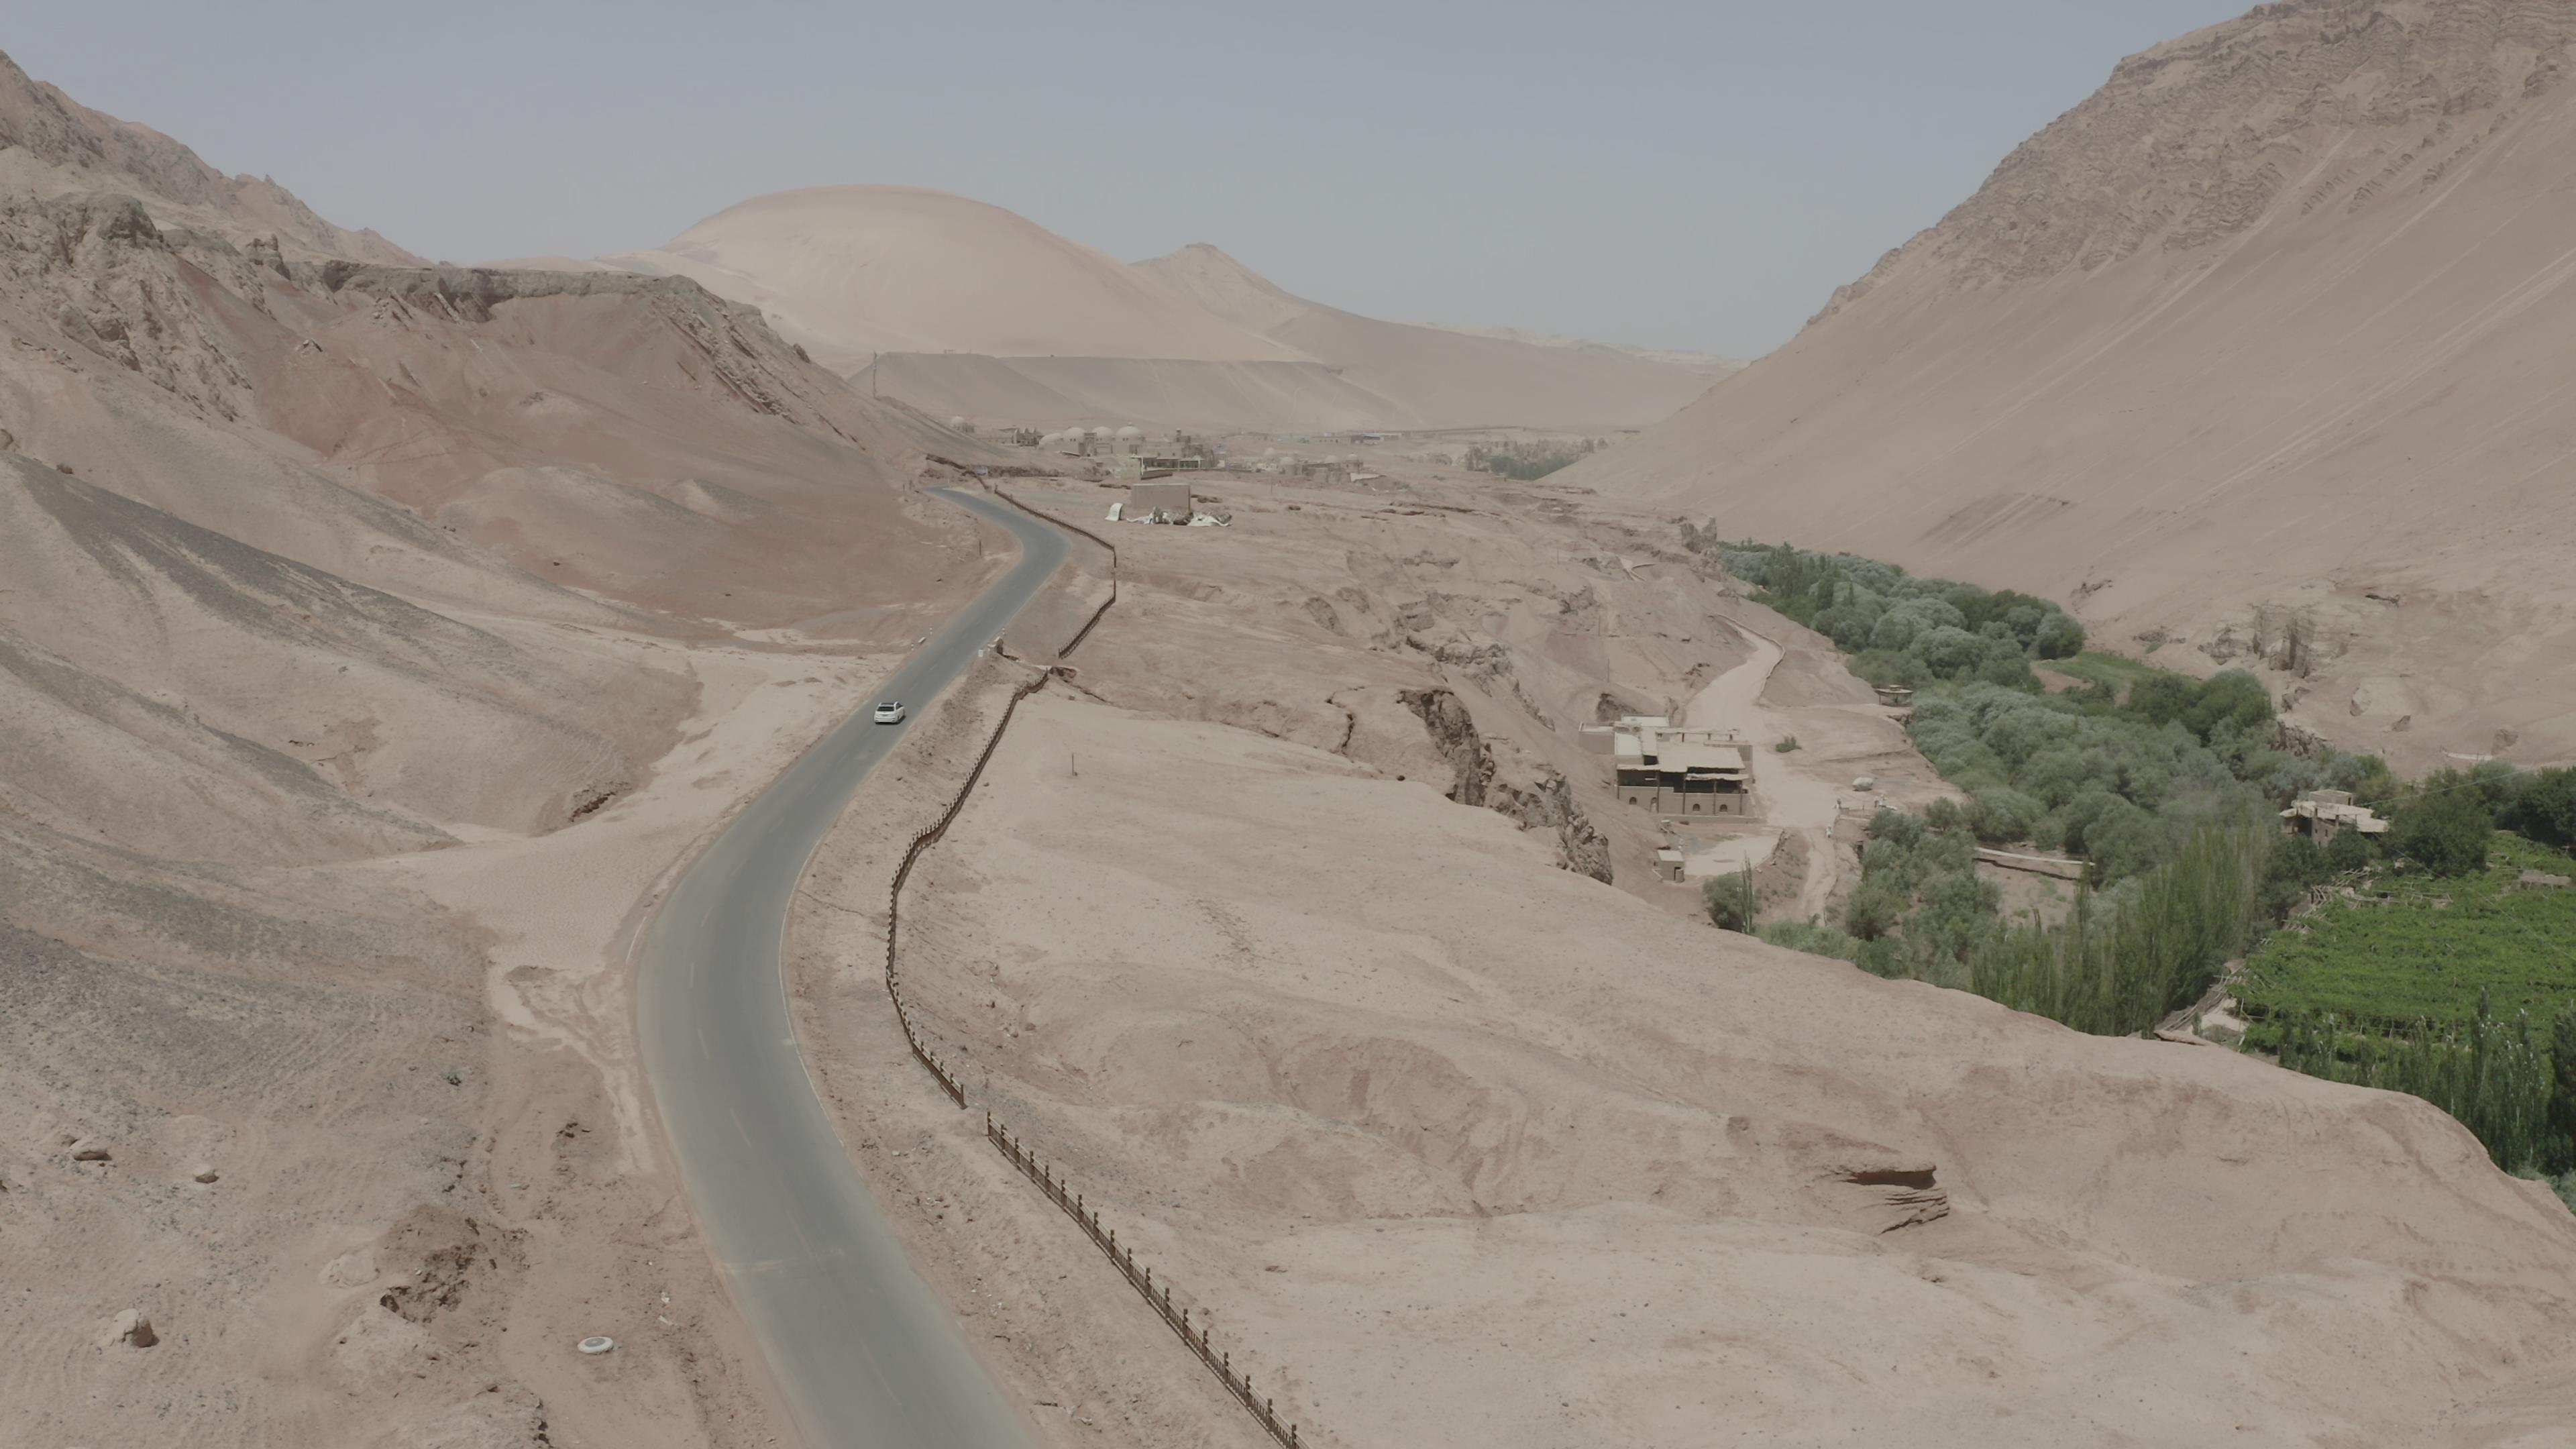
(2254, 344)
(2313, 103)
(51, 144)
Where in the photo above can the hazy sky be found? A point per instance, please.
(1696, 175)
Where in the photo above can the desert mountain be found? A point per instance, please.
(958, 307)
(51, 145)
(2254, 356)
(1458, 378)
(329, 582)
(855, 270)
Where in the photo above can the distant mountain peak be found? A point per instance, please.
(78, 149)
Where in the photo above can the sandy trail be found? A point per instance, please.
(1793, 797)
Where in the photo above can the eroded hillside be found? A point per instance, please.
(373, 637)
(1270, 931)
(2257, 345)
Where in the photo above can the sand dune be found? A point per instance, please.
(852, 270)
(964, 308)
(2268, 329)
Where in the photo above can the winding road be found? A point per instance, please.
(865, 1352)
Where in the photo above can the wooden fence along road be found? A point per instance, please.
(1238, 1384)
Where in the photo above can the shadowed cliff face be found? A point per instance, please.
(2259, 340)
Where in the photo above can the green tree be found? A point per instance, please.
(2295, 866)
(2060, 637)
(2446, 832)
(2559, 1143)
(2234, 698)
(2545, 810)
(1732, 901)
(1874, 910)
(2349, 851)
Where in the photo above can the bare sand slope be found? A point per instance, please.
(1213, 397)
(637, 439)
(1447, 378)
(1451, 628)
(991, 316)
(2262, 340)
(342, 706)
(1462, 1147)
(373, 638)
(862, 269)
(1486, 1154)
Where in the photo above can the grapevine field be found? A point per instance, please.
(2419, 949)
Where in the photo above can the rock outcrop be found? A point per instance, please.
(1545, 801)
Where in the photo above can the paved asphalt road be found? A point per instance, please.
(867, 1354)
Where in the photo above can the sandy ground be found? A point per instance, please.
(1484, 1153)
(1804, 791)
(609, 1244)
(1070, 1343)
(1476, 1150)
(368, 655)
(384, 666)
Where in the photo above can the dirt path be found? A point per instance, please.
(1794, 797)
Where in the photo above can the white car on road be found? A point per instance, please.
(889, 713)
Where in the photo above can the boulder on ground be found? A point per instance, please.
(130, 1327)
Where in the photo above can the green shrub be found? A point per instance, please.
(2002, 816)
(2490, 1071)
(2558, 1119)
(2544, 809)
(1909, 630)
(1732, 902)
(1814, 939)
(2349, 851)
(2296, 867)
(1873, 911)
(2445, 831)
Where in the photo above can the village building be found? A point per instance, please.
(2321, 815)
(1159, 503)
(1675, 773)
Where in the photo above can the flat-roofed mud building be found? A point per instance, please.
(1677, 773)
